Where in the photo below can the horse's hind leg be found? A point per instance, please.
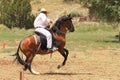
(26, 64)
(64, 53)
(29, 60)
(30, 68)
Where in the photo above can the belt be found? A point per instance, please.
(38, 27)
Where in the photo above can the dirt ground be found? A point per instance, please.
(89, 65)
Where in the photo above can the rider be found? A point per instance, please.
(41, 22)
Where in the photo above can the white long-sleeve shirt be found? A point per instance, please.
(41, 21)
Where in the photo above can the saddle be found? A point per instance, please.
(42, 41)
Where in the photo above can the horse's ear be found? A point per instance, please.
(70, 16)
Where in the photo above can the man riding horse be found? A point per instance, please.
(31, 45)
(40, 24)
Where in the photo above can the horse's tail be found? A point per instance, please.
(18, 58)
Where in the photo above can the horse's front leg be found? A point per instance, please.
(64, 52)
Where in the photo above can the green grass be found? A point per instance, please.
(85, 37)
(12, 37)
(92, 37)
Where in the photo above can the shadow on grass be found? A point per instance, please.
(109, 41)
(60, 73)
(112, 41)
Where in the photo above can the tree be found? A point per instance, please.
(16, 13)
(105, 10)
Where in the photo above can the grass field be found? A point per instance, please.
(85, 37)
(94, 55)
(94, 52)
(92, 37)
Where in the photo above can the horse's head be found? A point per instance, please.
(68, 23)
(64, 23)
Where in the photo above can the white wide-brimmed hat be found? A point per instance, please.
(43, 10)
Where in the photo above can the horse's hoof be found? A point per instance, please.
(34, 72)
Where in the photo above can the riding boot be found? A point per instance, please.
(50, 50)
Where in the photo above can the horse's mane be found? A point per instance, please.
(60, 20)
(56, 26)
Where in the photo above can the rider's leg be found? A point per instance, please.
(48, 36)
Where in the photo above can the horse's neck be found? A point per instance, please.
(59, 30)
(63, 30)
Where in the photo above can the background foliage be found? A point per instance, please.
(105, 10)
(16, 13)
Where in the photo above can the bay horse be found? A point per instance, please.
(29, 47)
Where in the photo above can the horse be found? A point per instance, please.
(29, 46)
